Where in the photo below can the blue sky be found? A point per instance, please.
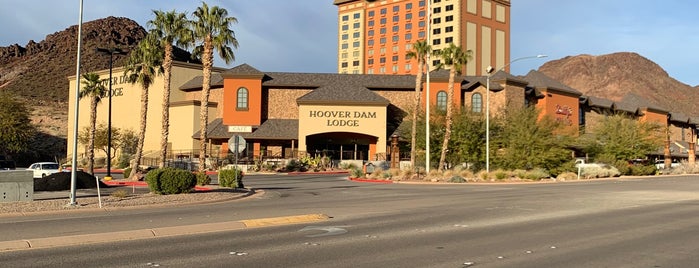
(300, 35)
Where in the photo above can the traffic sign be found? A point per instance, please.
(237, 144)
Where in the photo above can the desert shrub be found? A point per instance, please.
(567, 176)
(483, 175)
(295, 165)
(623, 167)
(500, 174)
(591, 172)
(177, 181)
(685, 168)
(642, 170)
(465, 173)
(387, 175)
(124, 159)
(357, 173)
(520, 173)
(202, 179)
(120, 194)
(457, 179)
(232, 178)
(127, 172)
(347, 166)
(536, 174)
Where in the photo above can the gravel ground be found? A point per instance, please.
(114, 201)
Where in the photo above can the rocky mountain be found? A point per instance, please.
(624, 76)
(37, 72)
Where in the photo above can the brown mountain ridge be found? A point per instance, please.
(627, 77)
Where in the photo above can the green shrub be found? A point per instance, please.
(295, 165)
(120, 194)
(124, 159)
(623, 167)
(643, 170)
(232, 178)
(500, 174)
(591, 172)
(127, 172)
(357, 173)
(171, 181)
(203, 179)
(536, 174)
(457, 179)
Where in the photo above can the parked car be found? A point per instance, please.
(7, 164)
(660, 164)
(43, 169)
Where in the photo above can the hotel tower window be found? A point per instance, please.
(242, 103)
(477, 103)
(442, 100)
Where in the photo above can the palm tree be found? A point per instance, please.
(169, 27)
(454, 58)
(211, 27)
(95, 90)
(420, 51)
(143, 65)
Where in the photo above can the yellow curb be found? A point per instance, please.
(198, 228)
(13, 245)
(285, 220)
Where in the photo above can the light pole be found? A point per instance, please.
(74, 162)
(490, 70)
(111, 52)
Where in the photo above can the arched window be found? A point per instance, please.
(477, 103)
(242, 103)
(442, 101)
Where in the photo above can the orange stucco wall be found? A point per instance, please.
(562, 107)
(252, 116)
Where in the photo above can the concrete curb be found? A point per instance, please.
(59, 241)
(372, 181)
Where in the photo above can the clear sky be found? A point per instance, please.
(301, 35)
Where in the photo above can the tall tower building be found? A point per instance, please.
(375, 35)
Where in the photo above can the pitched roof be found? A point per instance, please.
(348, 94)
(217, 130)
(626, 107)
(196, 82)
(593, 101)
(539, 80)
(277, 129)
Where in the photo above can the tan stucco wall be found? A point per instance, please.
(126, 109)
(311, 122)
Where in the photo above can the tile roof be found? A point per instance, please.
(348, 94)
(626, 107)
(593, 101)
(539, 80)
(641, 102)
(679, 117)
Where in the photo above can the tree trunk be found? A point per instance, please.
(448, 119)
(136, 162)
(206, 60)
(91, 142)
(413, 134)
(165, 131)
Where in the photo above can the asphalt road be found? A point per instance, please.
(611, 223)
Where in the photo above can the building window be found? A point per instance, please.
(436, 41)
(345, 36)
(408, 36)
(382, 50)
(371, 71)
(371, 51)
(408, 26)
(344, 46)
(370, 23)
(382, 60)
(421, 24)
(421, 14)
(371, 13)
(395, 68)
(370, 42)
(449, 18)
(356, 15)
(370, 33)
(344, 55)
(408, 16)
(382, 40)
(355, 54)
(370, 61)
(382, 31)
(344, 65)
(394, 58)
(355, 35)
(242, 103)
(394, 49)
(396, 8)
(395, 28)
(382, 21)
(437, 31)
(442, 100)
(436, 62)
(345, 27)
(345, 18)
(448, 40)
(408, 67)
(408, 46)
(449, 8)
(409, 6)
(383, 11)
(477, 103)
(355, 63)
(436, 10)
(421, 35)
(436, 1)
(356, 25)
(436, 20)
(355, 44)
(382, 70)
(395, 38)
(421, 3)
(355, 71)
(396, 18)
(448, 29)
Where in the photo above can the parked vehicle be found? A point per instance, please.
(660, 164)
(43, 169)
(7, 165)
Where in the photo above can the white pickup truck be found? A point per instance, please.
(660, 164)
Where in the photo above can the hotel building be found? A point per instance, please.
(374, 36)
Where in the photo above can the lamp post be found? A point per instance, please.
(490, 70)
(74, 162)
(111, 52)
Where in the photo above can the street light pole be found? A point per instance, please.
(74, 162)
(490, 71)
(111, 52)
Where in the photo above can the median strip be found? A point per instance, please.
(58, 241)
